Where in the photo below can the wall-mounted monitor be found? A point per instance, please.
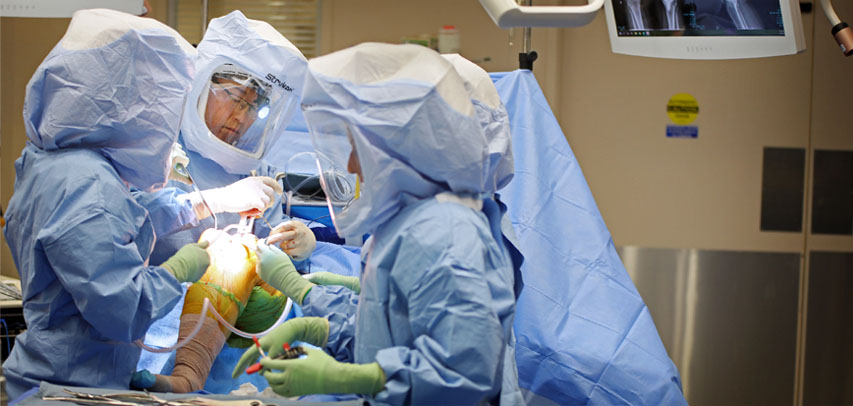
(705, 29)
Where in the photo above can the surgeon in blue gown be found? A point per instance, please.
(247, 84)
(492, 117)
(433, 321)
(227, 143)
(102, 112)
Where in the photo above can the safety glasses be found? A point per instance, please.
(231, 93)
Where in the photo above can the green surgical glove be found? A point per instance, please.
(189, 263)
(311, 330)
(320, 373)
(328, 278)
(278, 271)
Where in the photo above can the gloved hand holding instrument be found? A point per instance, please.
(316, 372)
(249, 196)
(294, 238)
(289, 353)
(311, 330)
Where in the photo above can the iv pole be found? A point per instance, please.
(509, 14)
(527, 56)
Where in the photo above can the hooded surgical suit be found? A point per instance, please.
(437, 290)
(102, 112)
(234, 46)
(494, 121)
(247, 83)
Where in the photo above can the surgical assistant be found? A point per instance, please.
(433, 322)
(102, 112)
(493, 120)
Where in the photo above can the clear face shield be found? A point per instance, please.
(243, 110)
(339, 169)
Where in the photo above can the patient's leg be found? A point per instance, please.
(227, 284)
(192, 361)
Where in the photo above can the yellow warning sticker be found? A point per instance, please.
(682, 108)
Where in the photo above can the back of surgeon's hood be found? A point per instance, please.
(114, 83)
(411, 121)
(258, 48)
(493, 120)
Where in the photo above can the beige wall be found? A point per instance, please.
(682, 193)
(350, 22)
(832, 97)
(24, 42)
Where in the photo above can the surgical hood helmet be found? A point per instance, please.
(403, 114)
(115, 83)
(247, 86)
(493, 119)
(236, 109)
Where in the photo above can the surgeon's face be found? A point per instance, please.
(353, 166)
(230, 111)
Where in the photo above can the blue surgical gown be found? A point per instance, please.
(81, 243)
(436, 308)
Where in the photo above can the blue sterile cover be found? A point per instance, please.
(584, 334)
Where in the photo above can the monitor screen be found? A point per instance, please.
(705, 29)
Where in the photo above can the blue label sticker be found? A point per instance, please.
(682, 131)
